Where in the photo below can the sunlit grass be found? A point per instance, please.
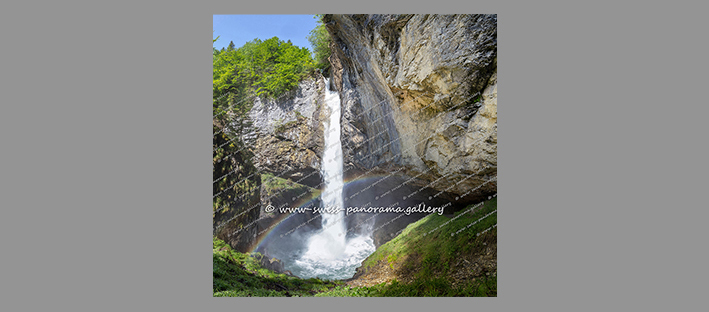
(436, 239)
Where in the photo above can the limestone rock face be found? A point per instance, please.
(419, 92)
(288, 134)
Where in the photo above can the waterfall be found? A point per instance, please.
(330, 253)
(331, 241)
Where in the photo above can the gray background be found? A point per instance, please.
(106, 156)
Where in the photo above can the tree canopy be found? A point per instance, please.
(264, 68)
(320, 40)
(267, 68)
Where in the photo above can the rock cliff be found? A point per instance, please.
(288, 133)
(236, 187)
(283, 141)
(419, 93)
(419, 117)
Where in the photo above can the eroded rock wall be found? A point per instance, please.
(288, 133)
(419, 92)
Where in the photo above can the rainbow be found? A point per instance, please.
(305, 202)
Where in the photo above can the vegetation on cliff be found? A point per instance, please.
(320, 40)
(274, 185)
(268, 69)
(265, 68)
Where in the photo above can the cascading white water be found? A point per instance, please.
(331, 241)
(330, 254)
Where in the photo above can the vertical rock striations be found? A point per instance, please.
(419, 92)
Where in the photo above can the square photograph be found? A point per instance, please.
(354, 155)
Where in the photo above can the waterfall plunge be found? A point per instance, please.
(330, 254)
(330, 243)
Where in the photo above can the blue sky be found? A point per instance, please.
(244, 28)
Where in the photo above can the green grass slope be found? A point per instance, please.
(236, 274)
(427, 259)
(431, 255)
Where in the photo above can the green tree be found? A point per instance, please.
(214, 50)
(231, 46)
(267, 68)
(320, 40)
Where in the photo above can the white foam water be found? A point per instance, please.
(330, 254)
